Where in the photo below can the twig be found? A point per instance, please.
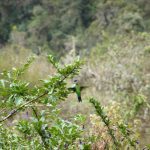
(35, 113)
(2, 110)
(14, 111)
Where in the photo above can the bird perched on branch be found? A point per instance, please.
(77, 89)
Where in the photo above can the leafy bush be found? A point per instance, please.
(45, 129)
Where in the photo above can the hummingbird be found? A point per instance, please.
(77, 89)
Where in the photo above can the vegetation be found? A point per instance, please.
(104, 45)
(44, 128)
(44, 25)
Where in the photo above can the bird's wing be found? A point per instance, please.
(83, 87)
(72, 89)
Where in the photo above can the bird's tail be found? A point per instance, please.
(79, 99)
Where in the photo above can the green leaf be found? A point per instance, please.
(18, 101)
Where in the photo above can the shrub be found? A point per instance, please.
(44, 129)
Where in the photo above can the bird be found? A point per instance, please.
(77, 89)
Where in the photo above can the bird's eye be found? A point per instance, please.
(75, 80)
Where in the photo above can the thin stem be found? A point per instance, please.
(14, 111)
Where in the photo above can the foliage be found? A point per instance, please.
(119, 136)
(47, 25)
(45, 129)
(42, 127)
(112, 36)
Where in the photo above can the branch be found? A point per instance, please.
(14, 111)
(35, 113)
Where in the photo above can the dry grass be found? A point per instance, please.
(15, 56)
